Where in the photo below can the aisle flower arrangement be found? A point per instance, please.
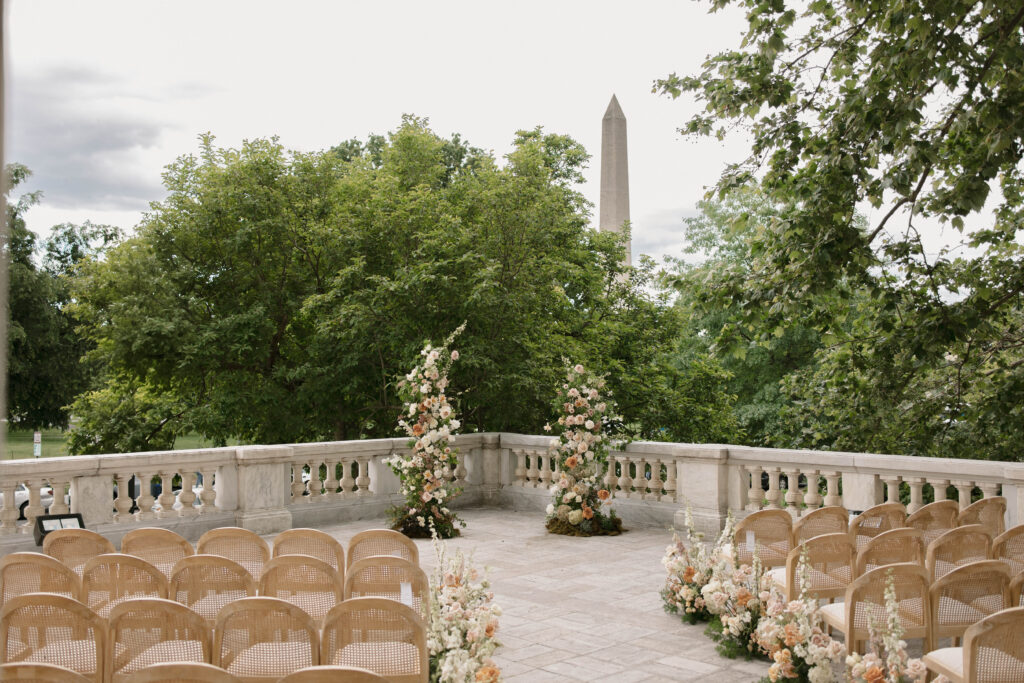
(735, 596)
(579, 504)
(792, 634)
(426, 472)
(887, 660)
(463, 622)
(688, 568)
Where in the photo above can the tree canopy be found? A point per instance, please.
(912, 108)
(44, 350)
(277, 296)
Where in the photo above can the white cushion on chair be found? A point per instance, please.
(834, 615)
(948, 661)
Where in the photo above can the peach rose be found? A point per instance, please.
(743, 596)
(689, 574)
(603, 494)
(488, 674)
(572, 461)
(588, 512)
(874, 675)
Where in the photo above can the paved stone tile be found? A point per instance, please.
(580, 609)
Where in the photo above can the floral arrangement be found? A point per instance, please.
(688, 567)
(581, 453)
(736, 596)
(792, 635)
(430, 423)
(463, 622)
(887, 661)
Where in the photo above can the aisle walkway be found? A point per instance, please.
(581, 609)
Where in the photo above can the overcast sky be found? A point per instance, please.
(102, 95)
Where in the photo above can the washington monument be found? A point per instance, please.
(614, 208)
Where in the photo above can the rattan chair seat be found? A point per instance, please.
(263, 639)
(311, 584)
(312, 542)
(333, 674)
(53, 629)
(378, 634)
(206, 583)
(237, 544)
(75, 547)
(381, 542)
(183, 672)
(39, 673)
(22, 573)
(162, 548)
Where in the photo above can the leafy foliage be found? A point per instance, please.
(912, 109)
(44, 372)
(276, 296)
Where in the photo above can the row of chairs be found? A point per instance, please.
(206, 583)
(253, 639)
(774, 534)
(835, 561)
(164, 549)
(186, 672)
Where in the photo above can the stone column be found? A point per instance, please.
(489, 458)
(264, 488)
(703, 483)
(93, 496)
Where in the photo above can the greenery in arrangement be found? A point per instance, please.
(911, 109)
(427, 471)
(273, 296)
(580, 503)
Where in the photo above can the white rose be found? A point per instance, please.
(551, 508)
(578, 369)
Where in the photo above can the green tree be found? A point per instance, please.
(912, 108)
(718, 319)
(277, 296)
(44, 373)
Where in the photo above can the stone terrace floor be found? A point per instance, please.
(580, 609)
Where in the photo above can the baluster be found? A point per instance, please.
(298, 486)
(347, 482)
(916, 494)
(9, 512)
(610, 478)
(988, 489)
(939, 487)
(315, 483)
(793, 494)
(208, 495)
(755, 494)
(812, 495)
(892, 489)
(34, 507)
(545, 471)
(641, 476)
(331, 483)
(832, 496)
(520, 472)
(166, 498)
(773, 492)
(532, 472)
(146, 499)
(625, 481)
(963, 489)
(58, 506)
(656, 480)
(123, 502)
(363, 480)
(187, 496)
(461, 472)
(670, 482)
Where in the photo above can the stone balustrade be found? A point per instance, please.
(270, 488)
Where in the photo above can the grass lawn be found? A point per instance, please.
(19, 443)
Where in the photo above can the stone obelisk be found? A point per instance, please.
(614, 208)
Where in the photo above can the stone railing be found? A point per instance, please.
(270, 488)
